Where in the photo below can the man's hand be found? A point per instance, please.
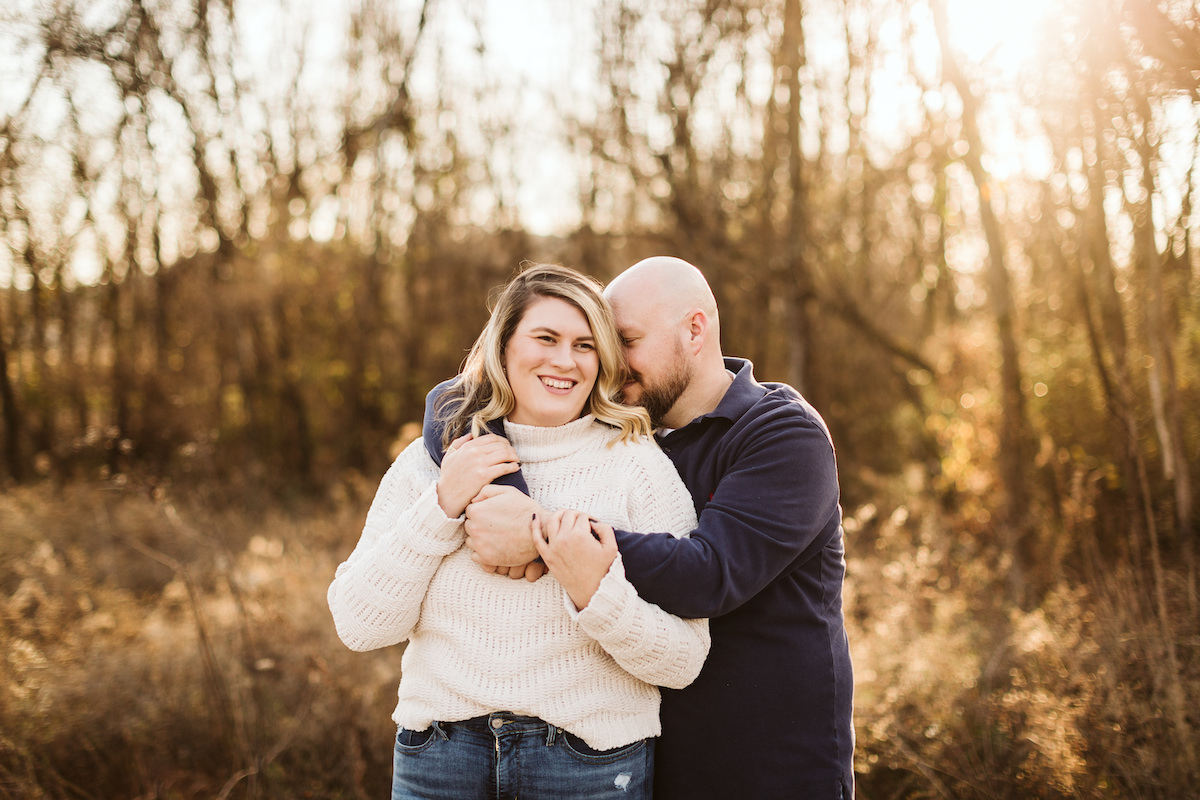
(498, 525)
(470, 464)
(578, 552)
(530, 572)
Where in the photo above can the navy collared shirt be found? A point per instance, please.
(770, 715)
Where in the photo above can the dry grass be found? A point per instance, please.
(960, 695)
(157, 651)
(162, 647)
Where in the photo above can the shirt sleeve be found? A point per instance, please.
(432, 429)
(377, 592)
(649, 643)
(431, 426)
(774, 506)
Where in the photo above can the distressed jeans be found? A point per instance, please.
(502, 756)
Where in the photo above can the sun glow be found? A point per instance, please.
(1000, 43)
(1002, 34)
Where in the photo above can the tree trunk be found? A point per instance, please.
(1164, 388)
(1109, 330)
(301, 443)
(799, 288)
(12, 418)
(43, 397)
(1014, 451)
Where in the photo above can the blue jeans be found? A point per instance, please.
(503, 756)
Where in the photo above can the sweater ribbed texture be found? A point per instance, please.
(479, 643)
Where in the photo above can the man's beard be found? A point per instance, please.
(659, 398)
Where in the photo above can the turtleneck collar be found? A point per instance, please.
(535, 443)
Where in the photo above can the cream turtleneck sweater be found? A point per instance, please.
(479, 642)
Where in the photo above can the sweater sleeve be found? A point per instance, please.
(646, 641)
(377, 592)
(649, 643)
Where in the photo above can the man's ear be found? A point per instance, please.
(697, 329)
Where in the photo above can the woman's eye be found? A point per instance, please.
(588, 346)
(546, 339)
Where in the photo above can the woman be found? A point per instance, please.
(509, 688)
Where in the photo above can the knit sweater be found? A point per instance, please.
(479, 642)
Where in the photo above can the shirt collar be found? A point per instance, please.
(743, 393)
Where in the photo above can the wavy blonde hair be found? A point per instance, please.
(481, 393)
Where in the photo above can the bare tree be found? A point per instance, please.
(1014, 436)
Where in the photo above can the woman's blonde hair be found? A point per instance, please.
(481, 393)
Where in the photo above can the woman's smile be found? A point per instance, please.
(558, 385)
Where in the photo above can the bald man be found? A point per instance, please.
(770, 714)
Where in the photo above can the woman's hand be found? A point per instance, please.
(470, 464)
(576, 553)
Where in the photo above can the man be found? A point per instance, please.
(770, 714)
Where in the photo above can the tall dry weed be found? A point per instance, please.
(960, 695)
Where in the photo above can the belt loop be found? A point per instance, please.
(437, 726)
(551, 732)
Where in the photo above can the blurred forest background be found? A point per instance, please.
(240, 240)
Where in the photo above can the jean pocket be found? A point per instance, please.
(590, 755)
(414, 741)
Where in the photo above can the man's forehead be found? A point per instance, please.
(639, 308)
(631, 319)
(632, 304)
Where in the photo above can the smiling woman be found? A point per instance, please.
(551, 364)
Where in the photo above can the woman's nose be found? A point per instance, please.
(562, 356)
